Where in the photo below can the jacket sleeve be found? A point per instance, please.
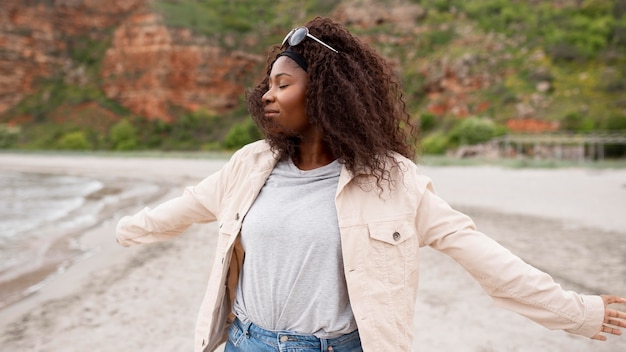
(512, 283)
(197, 204)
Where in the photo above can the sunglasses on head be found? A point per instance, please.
(297, 35)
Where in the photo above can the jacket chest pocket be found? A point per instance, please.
(393, 233)
(392, 254)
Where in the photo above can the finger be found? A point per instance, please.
(610, 299)
(611, 313)
(616, 313)
(599, 336)
(616, 322)
(615, 318)
(610, 330)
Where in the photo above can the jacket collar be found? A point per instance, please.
(269, 159)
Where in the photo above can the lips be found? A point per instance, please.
(270, 112)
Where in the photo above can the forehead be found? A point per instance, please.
(286, 65)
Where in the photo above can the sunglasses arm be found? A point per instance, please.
(319, 41)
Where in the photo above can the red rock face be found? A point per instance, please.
(34, 37)
(149, 68)
(27, 45)
(530, 125)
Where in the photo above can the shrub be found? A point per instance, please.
(615, 122)
(241, 134)
(8, 135)
(427, 122)
(577, 122)
(472, 130)
(123, 136)
(435, 143)
(74, 141)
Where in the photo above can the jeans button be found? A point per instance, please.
(396, 236)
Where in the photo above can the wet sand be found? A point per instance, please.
(569, 222)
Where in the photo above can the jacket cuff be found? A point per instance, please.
(594, 317)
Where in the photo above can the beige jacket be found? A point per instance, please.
(381, 235)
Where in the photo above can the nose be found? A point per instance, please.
(267, 97)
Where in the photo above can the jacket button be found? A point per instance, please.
(396, 236)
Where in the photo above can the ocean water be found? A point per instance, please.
(40, 216)
(31, 201)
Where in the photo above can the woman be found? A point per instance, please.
(320, 224)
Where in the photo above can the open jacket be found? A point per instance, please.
(381, 234)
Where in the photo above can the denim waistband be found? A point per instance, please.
(296, 340)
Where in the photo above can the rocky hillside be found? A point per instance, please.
(170, 74)
(142, 65)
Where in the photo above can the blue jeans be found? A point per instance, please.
(251, 338)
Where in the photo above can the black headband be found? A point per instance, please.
(295, 57)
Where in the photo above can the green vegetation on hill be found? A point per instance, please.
(563, 61)
(228, 22)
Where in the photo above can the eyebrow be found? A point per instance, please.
(281, 74)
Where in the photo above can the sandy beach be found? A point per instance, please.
(569, 222)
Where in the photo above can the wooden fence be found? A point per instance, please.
(574, 146)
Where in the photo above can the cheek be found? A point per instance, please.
(301, 101)
(302, 105)
(295, 103)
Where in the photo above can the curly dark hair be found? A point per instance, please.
(352, 96)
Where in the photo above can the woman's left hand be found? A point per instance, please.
(613, 319)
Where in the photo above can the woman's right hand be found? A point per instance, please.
(614, 320)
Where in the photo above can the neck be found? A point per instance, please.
(313, 154)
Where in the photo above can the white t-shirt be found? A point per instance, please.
(292, 277)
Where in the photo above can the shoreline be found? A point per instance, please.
(80, 245)
(150, 295)
(60, 249)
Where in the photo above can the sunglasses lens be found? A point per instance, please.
(298, 36)
(287, 37)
